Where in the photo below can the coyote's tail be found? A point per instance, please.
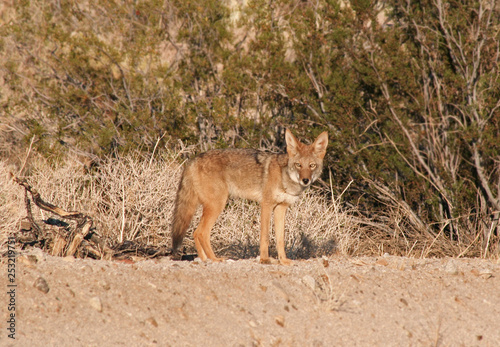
(185, 207)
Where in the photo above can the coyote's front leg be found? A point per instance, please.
(265, 220)
(279, 227)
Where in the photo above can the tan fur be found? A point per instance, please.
(274, 180)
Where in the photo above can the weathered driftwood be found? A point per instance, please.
(58, 237)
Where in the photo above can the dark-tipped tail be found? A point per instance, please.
(185, 207)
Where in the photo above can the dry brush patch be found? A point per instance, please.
(131, 198)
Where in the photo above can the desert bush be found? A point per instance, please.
(436, 106)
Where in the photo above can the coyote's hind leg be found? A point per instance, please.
(211, 211)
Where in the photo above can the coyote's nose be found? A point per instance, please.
(305, 181)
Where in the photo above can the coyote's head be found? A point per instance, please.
(305, 162)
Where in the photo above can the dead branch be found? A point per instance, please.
(45, 205)
(38, 230)
(63, 244)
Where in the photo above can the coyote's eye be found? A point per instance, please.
(313, 166)
(298, 166)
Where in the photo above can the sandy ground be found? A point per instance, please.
(337, 301)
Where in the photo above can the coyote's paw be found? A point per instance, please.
(217, 260)
(285, 261)
(265, 261)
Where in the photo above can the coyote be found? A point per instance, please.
(275, 180)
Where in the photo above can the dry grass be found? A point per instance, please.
(132, 198)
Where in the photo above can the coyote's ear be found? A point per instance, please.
(292, 143)
(320, 144)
